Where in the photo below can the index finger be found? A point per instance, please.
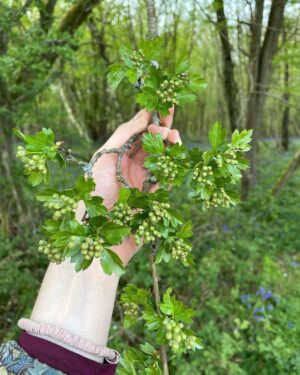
(121, 135)
(167, 120)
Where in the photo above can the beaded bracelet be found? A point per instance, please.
(59, 334)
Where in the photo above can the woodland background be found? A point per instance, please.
(54, 56)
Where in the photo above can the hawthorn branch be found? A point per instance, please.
(153, 33)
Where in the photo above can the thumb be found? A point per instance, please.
(136, 125)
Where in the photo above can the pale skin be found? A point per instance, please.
(82, 303)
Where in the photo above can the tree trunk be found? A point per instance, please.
(230, 87)
(260, 66)
(286, 110)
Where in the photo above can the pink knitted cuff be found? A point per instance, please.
(59, 334)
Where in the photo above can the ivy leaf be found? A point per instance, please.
(153, 143)
(178, 311)
(95, 207)
(217, 135)
(111, 263)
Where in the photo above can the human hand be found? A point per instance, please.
(132, 169)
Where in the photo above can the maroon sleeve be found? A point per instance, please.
(63, 359)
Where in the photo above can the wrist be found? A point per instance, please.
(81, 303)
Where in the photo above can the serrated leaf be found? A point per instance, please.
(186, 230)
(115, 75)
(111, 263)
(114, 233)
(148, 99)
(217, 135)
(153, 143)
(35, 178)
(84, 186)
(178, 311)
(95, 207)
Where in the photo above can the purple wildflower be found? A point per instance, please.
(258, 318)
(259, 310)
(270, 307)
(290, 325)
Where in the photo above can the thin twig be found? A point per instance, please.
(156, 292)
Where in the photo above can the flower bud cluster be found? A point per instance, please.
(181, 250)
(121, 214)
(54, 254)
(176, 337)
(147, 230)
(203, 174)
(167, 89)
(62, 205)
(131, 310)
(219, 199)
(92, 247)
(137, 57)
(34, 163)
(219, 161)
(168, 167)
(230, 157)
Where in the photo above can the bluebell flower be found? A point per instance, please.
(294, 264)
(290, 325)
(249, 305)
(225, 228)
(245, 297)
(258, 318)
(259, 310)
(265, 294)
(261, 291)
(270, 307)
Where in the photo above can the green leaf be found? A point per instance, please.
(152, 47)
(153, 143)
(186, 230)
(185, 97)
(178, 311)
(148, 99)
(45, 195)
(111, 263)
(95, 207)
(124, 194)
(51, 226)
(35, 178)
(183, 66)
(153, 320)
(148, 348)
(114, 233)
(217, 135)
(84, 186)
(115, 75)
(19, 134)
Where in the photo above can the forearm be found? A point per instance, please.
(81, 303)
